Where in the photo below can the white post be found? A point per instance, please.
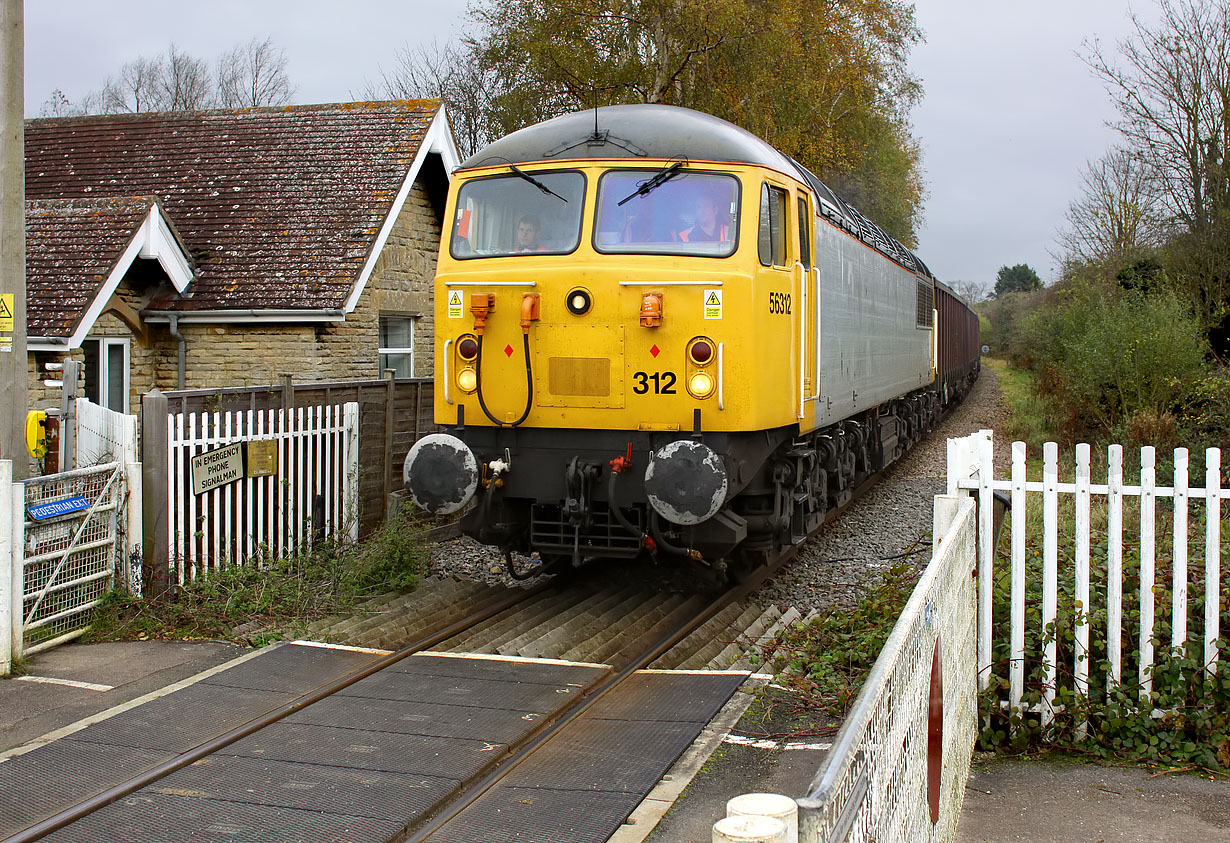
(351, 505)
(986, 552)
(1178, 586)
(1016, 668)
(1050, 574)
(1114, 564)
(1080, 668)
(16, 513)
(1212, 556)
(6, 567)
(1148, 545)
(132, 521)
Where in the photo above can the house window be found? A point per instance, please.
(397, 345)
(106, 372)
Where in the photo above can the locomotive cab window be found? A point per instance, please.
(688, 213)
(505, 216)
(772, 240)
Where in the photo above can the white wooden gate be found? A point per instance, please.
(313, 490)
(970, 467)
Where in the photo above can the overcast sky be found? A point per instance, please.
(1009, 118)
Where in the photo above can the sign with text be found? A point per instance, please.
(262, 457)
(217, 468)
(64, 506)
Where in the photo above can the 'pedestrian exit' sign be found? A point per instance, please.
(63, 506)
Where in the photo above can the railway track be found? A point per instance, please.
(626, 629)
(489, 615)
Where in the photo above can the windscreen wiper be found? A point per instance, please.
(534, 182)
(659, 178)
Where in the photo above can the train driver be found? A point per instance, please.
(527, 234)
(708, 227)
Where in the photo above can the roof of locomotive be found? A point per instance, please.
(665, 132)
(632, 131)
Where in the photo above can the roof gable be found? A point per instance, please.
(278, 208)
(77, 253)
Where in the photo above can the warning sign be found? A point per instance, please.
(713, 304)
(455, 305)
(6, 322)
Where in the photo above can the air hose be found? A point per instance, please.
(529, 382)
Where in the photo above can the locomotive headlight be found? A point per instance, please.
(700, 385)
(467, 380)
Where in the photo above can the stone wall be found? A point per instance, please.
(220, 355)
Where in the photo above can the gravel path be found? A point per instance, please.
(892, 519)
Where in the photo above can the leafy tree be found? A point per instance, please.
(1016, 279)
(826, 81)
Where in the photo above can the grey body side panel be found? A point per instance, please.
(870, 348)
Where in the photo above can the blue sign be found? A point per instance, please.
(64, 506)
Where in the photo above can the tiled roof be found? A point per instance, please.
(278, 207)
(71, 247)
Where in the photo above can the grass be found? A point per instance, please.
(267, 599)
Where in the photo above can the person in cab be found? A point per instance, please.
(710, 226)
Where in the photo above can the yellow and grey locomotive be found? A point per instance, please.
(655, 333)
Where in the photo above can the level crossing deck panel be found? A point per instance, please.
(362, 764)
(580, 787)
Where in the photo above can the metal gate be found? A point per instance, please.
(70, 552)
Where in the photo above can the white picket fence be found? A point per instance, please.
(970, 467)
(314, 490)
(104, 435)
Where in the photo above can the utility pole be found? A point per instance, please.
(13, 360)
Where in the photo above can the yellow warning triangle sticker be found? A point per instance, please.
(713, 299)
(454, 297)
(5, 312)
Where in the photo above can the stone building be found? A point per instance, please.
(221, 248)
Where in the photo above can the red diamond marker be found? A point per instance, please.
(655, 351)
(508, 350)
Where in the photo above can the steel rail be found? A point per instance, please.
(676, 630)
(487, 610)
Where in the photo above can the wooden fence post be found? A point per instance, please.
(155, 517)
(389, 417)
(68, 416)
(288, 390)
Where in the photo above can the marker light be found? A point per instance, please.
(579, 302)
(467, 380)
(467, 347)
(700, 350)
(700, 384)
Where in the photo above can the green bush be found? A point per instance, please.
(1112, 359)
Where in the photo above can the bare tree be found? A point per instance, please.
(137, 88)
(449, 72)
(185, 83)
(1171, 84)
(1115, 214)
(252, 75)
(972, 291)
